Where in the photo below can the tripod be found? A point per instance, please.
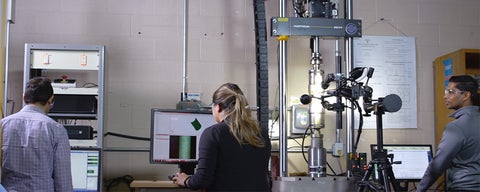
(380, 158)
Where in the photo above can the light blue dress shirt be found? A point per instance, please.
(36, 152)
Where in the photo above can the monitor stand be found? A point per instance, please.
(187, 167)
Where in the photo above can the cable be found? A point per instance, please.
(340, 164)
(295, 139)
(360, 126)
(126, 136)
(90, 85)
(289, 137)
(331, 169)
(303, 143)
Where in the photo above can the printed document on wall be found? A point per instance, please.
(394, 61)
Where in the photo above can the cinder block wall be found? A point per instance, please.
(144, 41)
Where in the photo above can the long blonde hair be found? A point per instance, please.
(237, 113)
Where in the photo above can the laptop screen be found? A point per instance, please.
(414, 160)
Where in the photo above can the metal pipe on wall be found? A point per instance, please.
(185, 49)
(10, 20)
(5, 92)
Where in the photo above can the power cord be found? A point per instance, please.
(127, 136)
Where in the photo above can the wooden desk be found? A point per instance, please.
(153, 184)
(150, 185)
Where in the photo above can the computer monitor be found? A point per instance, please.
(86, 164)
(175, 136)
(414, 160)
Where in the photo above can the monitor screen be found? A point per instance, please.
(414, 160)
(175, 135)
(85, 169)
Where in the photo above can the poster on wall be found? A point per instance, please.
(447, 70)
(394, 61)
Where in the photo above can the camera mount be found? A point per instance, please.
(390, 103)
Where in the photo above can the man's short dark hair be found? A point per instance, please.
(38, 90)
(467, 83)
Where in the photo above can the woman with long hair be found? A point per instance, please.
(234, 153)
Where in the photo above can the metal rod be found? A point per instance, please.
(338, 70)
(5, 92)
(282, 62)
(349, 67)
(185, 49)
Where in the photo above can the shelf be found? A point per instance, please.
(127, 149)
(83, 143)
(72, 116)
(75, 91)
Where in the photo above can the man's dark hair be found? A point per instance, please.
(467, 83)
(38, 90)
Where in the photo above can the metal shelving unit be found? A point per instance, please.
(77, 74)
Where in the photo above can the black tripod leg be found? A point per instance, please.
(385, 174)
(365, 178)
(392, 180)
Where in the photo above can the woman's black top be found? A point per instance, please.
(225, 165)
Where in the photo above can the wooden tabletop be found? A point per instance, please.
(153, 184)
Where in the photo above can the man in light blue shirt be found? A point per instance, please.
(36, 150)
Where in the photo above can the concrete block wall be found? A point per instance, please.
(144, 41)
